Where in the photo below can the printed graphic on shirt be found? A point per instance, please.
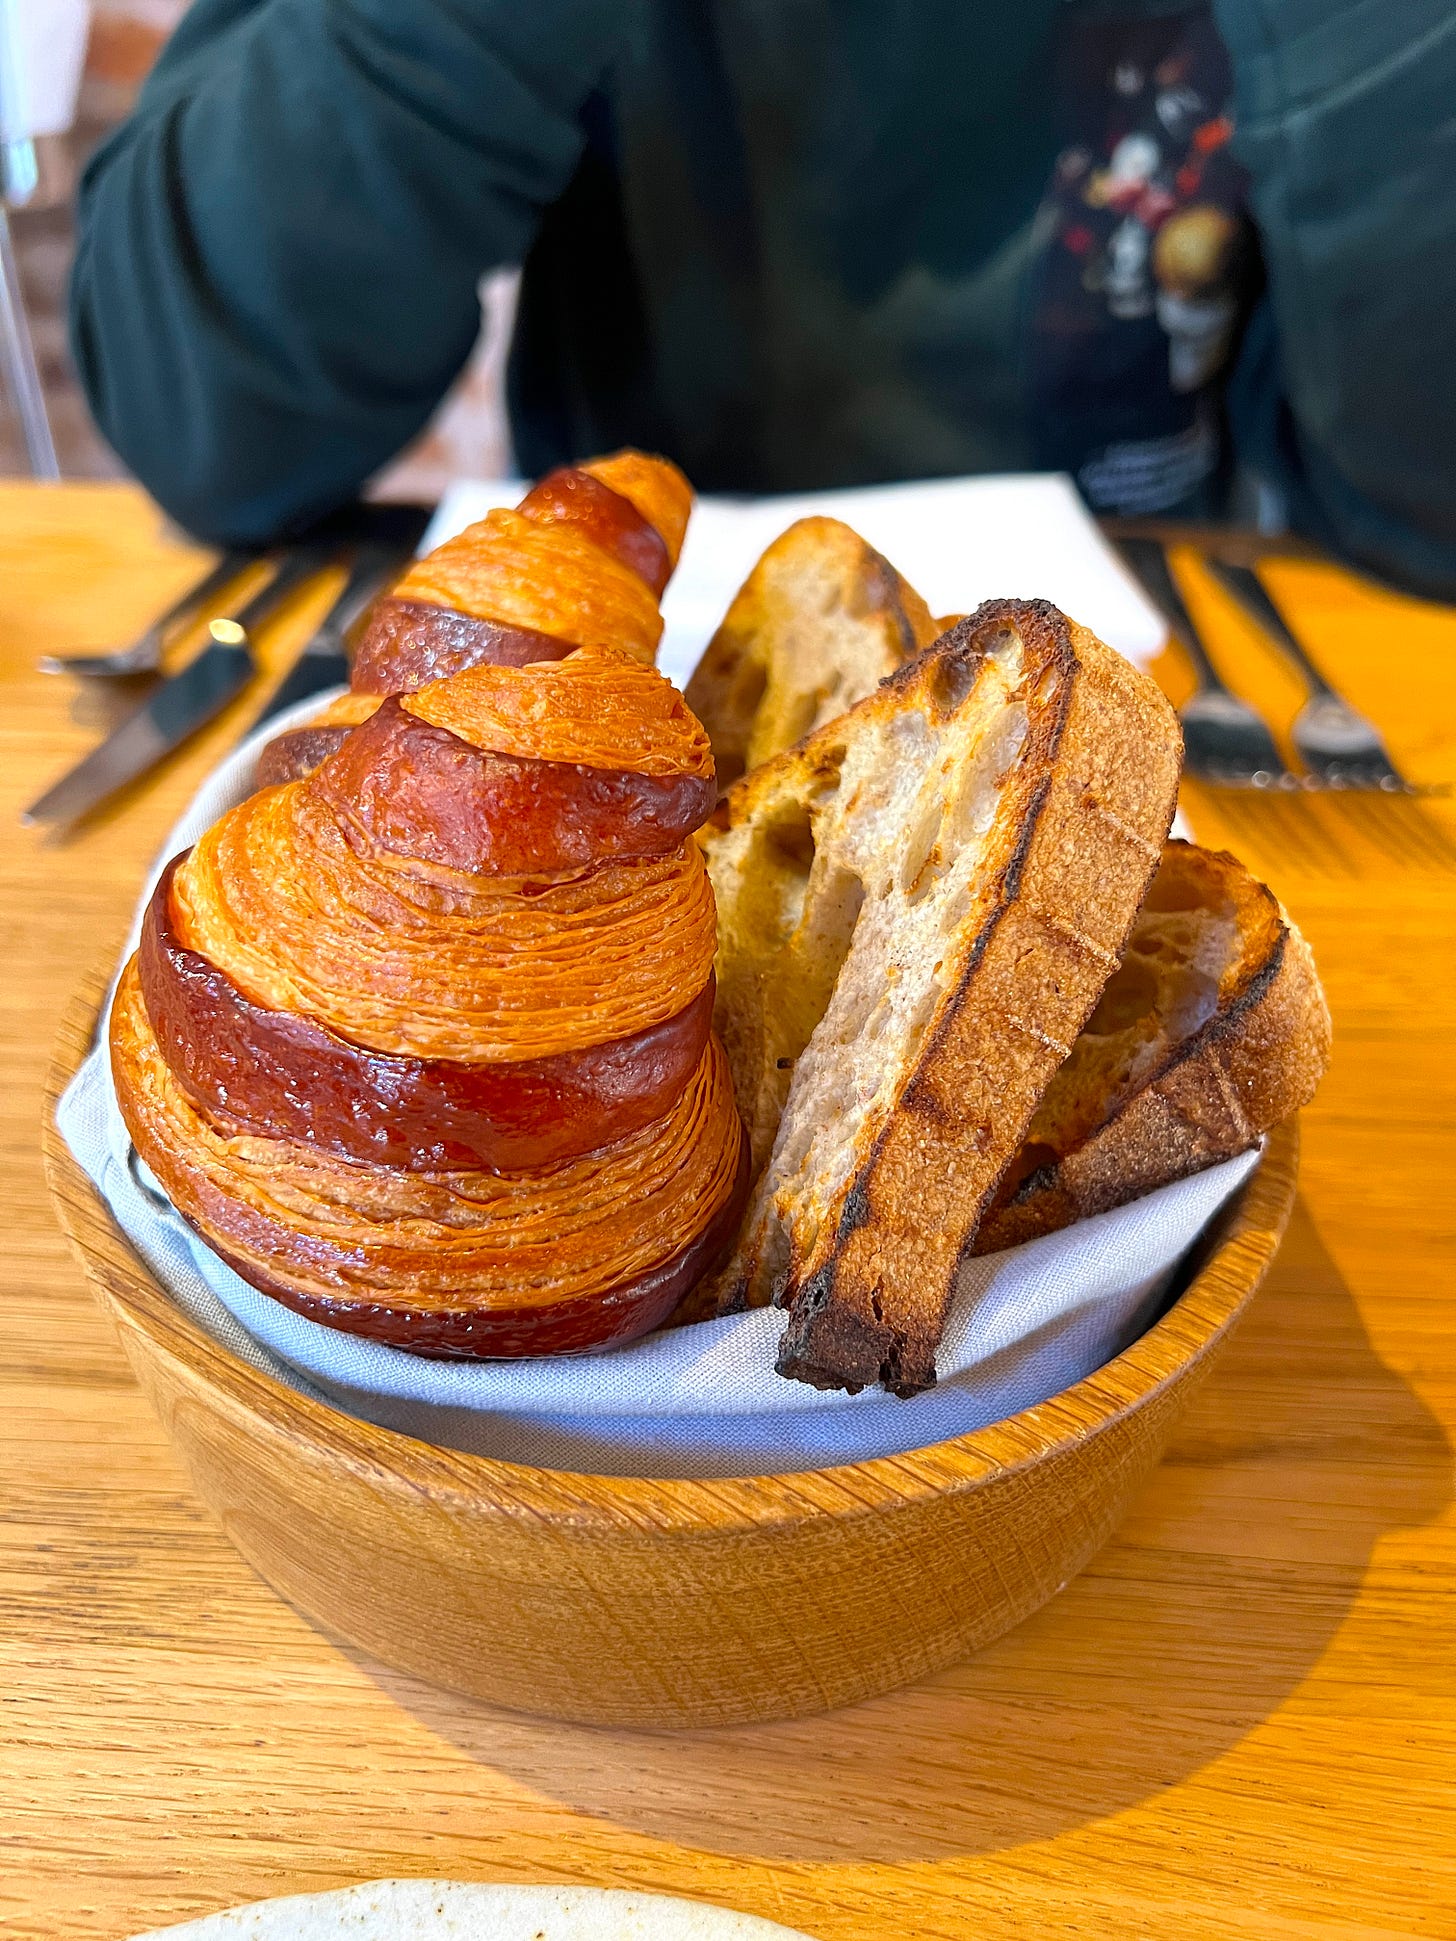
(1147, 277)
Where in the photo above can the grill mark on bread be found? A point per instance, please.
(1080, 940)
(1035, 1031)
(1130, 836)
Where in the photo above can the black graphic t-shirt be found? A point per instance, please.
(1149, 267)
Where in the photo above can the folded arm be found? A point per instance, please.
(279, 252)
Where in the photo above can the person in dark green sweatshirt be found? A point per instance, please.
(1174, 250)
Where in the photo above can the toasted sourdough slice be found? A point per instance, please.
(1213, 1030)
(918, 908)
(818, 623)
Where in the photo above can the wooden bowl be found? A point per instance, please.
(649, 1603)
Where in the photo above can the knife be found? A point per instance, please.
(324, 661)
(178, 707)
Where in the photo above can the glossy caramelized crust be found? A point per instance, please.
(418, 1039)
(582, 560)
(568, 1256)
(401, 786)
(505, 770)
(295, 753)
(575, 498)
(284, 1076)
(299, 751)
(408, 642)
(654, 486)
(423, 961)
(551, 578)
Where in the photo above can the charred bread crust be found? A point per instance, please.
(407, 643)
(284, 1076)
(409, 788)
(1215, 1094)
(1081, 822)
(582, 1324)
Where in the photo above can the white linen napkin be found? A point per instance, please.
(699, 1401)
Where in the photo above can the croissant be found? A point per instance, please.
(581, 562)
(419, 1043)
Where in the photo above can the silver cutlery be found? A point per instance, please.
(178, 706)
(144, 656)
(1224, 740)
(1338, 746)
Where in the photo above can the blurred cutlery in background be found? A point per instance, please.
(1224, 740)
(177, 707)
(377, 562)
(1340, 748)
(144, 656)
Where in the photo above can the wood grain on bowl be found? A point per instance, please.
(661, 1603)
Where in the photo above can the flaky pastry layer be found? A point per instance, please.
(552, 579)
(412, 958)
(600, 707)
(329, 1226)
(347, 711)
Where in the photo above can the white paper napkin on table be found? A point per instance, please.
(957, 541)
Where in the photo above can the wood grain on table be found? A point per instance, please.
(1240, 1721)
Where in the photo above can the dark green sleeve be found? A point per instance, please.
(279, 252)
(1345, 397)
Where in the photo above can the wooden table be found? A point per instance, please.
(1241, 1720)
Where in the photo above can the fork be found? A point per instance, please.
(144, 656)
(1224, 740)
(1337, 745)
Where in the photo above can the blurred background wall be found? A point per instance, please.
(468, 435)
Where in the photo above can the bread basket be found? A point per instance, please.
(619, 1601)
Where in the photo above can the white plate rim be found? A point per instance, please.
(455, 1910)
